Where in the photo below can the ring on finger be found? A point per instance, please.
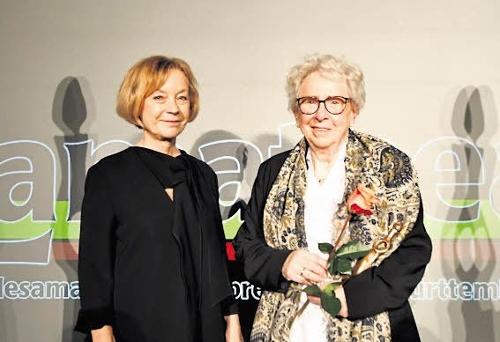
(302, 271)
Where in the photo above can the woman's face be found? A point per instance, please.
(324, 131)
(166, 111)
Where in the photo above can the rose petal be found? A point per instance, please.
(360, 211)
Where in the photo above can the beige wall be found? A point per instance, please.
(428, 65)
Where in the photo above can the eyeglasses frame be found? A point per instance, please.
(346, 99)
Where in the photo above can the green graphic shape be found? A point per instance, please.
(27, 229)
(485, 227)
(231, 225)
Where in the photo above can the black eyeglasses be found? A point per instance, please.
(335, 105)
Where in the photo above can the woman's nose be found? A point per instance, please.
(171, 106)
(321, 114)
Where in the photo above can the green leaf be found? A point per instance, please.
(333, 265)
(330, 288)
(312, 290)
(325, 247)
(330, 304)
(353, 250)
(344, 266)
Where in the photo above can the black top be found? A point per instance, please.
(153, 268)
(378, 289)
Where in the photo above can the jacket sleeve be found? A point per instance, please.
(388, 286)
(96, 254)
(261, 263)
(229, 305)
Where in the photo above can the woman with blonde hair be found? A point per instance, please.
(152, 264)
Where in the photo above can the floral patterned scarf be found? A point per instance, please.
(378, 165)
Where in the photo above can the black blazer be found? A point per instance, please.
(149, 266)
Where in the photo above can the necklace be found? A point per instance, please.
(323, 174)
(322, 165)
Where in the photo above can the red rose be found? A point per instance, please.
(362, 200)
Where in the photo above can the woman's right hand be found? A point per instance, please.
(304, 267)
(104, 334)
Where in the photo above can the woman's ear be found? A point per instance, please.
(353, 118)
(296, 117)
(138, 122)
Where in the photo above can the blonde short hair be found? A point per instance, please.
(145, 77)
(329, 65)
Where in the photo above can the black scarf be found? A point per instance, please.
(199, 233)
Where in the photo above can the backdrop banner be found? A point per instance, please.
(432, 73)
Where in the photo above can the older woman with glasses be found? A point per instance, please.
(341, 187)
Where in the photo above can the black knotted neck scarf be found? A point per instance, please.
(198, 231)
(171, 173)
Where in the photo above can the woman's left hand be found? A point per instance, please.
(314, 299)
(233, 329)
(340, 294)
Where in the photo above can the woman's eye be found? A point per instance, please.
(158, 97)
(182, 99)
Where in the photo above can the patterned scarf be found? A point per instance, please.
(369, 160)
